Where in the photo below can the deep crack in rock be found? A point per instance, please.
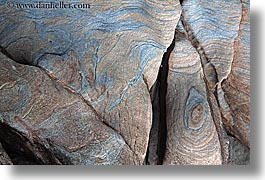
(158, 134)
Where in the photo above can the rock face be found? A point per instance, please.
(223, 38)
(126, 82)
(191, 134)
(67, 128)
(85, 94)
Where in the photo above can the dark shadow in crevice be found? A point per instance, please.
(15, 146)
(2, 50)
(27, 151)
(19, 59)
(158, 134)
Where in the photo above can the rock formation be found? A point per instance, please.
(126, 82)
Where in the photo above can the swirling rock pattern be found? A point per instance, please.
(222, 33)
(192, 137)
(235, 100)
(215, 25)
(107, 55)
(125, 82)
(65, 127)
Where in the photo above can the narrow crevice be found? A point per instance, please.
(230, 134)
(20, 60)
(4, 51)
(158, 131)
(162, 136)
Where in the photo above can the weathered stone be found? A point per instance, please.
(87, 98)
(55, 120)
(235, 101)
(220, 30)
(125, 82)
(239, 153)
(191, 134)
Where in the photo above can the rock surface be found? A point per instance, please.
(126, 82)
(191, 134)
(58, 129)
(222, 33)
(240, 154)
(85, 95)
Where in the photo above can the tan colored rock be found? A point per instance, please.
(56, 121)
(126, 82)
(106, 58)
(223, 38)
(191, 133)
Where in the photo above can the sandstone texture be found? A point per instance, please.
(144, 82)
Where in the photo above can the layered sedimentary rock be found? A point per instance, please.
(220, 30)
(125, 82)
(191, 133)
(235, 100)
(208, 86)
(86, 100)
(58, 125)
